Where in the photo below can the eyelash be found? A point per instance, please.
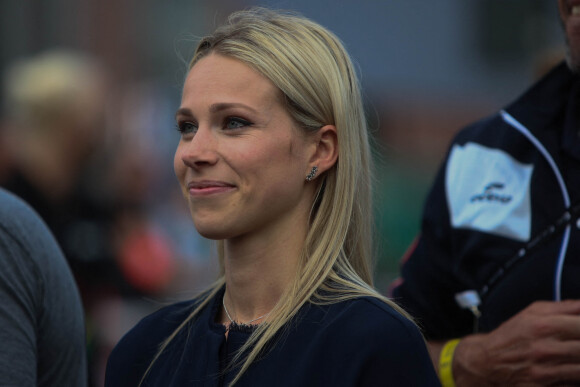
(181, 126)
(238, 120)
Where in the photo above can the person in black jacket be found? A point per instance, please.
(274, 163)
(493, 277)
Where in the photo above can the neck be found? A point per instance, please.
(258, 272)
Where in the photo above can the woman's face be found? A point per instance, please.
(241, 161)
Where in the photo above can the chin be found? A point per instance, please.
(573, 61)
(211, 234)
(210, 230)
(206, 224)
(573, 48)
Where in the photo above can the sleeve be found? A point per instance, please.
(134, 353)
(20, 302)
(62, 354)
(396, 356)
(42, 335)
(129, 360)
(367, 343)
(429, 277)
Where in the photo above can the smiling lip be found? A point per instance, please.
(207, 187)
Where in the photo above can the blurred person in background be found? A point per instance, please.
(493, 276)
(53, 130)
(42, 332)
(270, 108)
(60, 155)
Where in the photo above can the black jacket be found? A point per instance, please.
(487, 219)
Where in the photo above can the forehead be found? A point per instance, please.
(226, 79)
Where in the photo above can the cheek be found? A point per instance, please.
(279, 169)
(178, 166)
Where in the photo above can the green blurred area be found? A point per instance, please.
(400, 192)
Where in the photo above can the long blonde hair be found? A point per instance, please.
(317, 79)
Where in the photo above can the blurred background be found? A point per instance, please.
(90, 88)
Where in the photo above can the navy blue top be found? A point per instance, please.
(361, 342)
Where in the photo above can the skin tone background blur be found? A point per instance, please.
(427, 68)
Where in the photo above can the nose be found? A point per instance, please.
(200, 150)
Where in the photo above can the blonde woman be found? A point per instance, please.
(274, 162)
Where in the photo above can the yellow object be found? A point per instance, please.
(446, 363)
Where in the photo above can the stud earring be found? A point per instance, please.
(312, 173)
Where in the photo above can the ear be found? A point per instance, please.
(326, 149)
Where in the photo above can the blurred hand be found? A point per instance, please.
(540, 346)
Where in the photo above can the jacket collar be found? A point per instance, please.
(543, 104)
(552, 104)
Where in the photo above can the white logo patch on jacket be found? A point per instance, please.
(488, 190)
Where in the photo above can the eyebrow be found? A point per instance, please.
(183, 112)
(217, 107)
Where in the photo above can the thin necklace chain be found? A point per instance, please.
(232, 320)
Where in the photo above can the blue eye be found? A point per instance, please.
(186, 127)
(236, 123)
